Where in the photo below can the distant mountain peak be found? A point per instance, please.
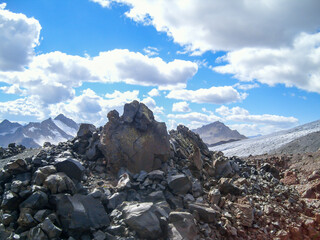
(60, 117)
(34, 134)
(217, 132)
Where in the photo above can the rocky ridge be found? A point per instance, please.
(77, 190)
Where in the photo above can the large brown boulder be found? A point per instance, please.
(135, 140)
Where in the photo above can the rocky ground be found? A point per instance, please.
(131, 180)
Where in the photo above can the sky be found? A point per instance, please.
(252, 64)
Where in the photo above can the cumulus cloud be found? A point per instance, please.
(226, 25)
(27, 106)
(18, 37)
(60, 73)
(154, 92)
(237, 114)
(292, 66)
(214, 95)
(181, 107)
(151, 103)
(195, 117)
(151, 51)
(92, 108)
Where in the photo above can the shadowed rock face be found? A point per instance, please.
(135, 140)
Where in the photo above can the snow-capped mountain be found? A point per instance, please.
(7, 127)
(268, 143)
(35, 134)
(217, 133)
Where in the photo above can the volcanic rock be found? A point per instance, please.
(73, 168)
(141, 218)
(80, 212)
(182, 226)
(135, 141)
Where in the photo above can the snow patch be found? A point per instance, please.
(266, 144)
(68, 130)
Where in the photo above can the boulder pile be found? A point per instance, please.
(133, 180)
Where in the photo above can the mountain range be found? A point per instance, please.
(294, 140)
(217, 133)
(34, 134)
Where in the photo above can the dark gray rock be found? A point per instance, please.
(141, 218)
(42, 173)
(156, 175)
(79, 213)
(86, 130)
(41, 215)
(36, 233)
(222, 167)
(10, 201)
(73, 168)
(52, 231)
(206, 213)
(116, 199)
(60, 183)
(226, 186)
(25, 219)
(179, 184)
(37, 200)
(182, 226)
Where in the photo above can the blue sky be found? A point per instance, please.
(253, 65)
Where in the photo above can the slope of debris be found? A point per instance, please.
(72, 190)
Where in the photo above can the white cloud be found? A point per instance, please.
(195, 117)
(214, 95)
(154, 92)
(295, 66)
(246, 87)
(18, 37)
(151, 103)
(92, 108)
(59, 73)
(181, 107)
(151, 51)
(225, 111)
(103, 3)
(28, 106)
(226, 25)
(13, 89)
(237, 114)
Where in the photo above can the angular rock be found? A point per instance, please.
(79, 213)
(156, 175)
(141, 218)
(86, 130)
(73, 168)
(206, 213)
(25, 219)
(41, 215)
(226, 187)
(222, 167)
(60, 183)
(245, 214)
(116, 199)
(52, 231)
(18, 166)
(182, 226)
(10, 201)
(37, 200)
(179, 184)
(36, 233)
(42, 173)
(137, 142)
